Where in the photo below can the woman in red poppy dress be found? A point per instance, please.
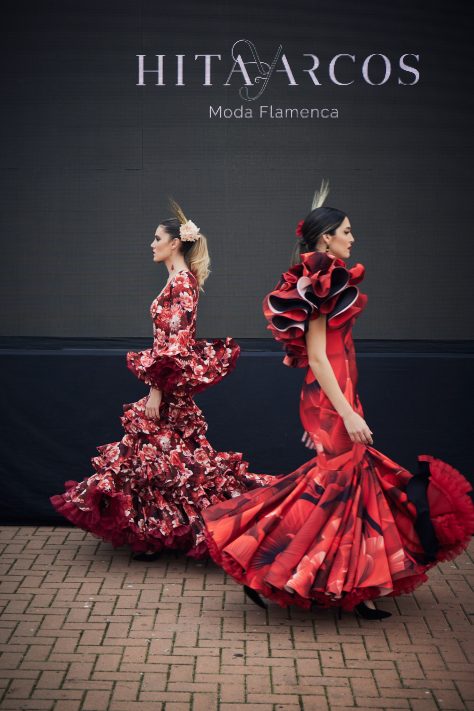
(349, 525)
(150, 488)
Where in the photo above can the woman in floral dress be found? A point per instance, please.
(150, 488)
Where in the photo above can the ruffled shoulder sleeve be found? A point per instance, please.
(319, 284)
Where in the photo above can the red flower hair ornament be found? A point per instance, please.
(299, 228)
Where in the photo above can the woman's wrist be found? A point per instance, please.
(347, 413)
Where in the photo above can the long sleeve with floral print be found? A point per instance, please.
(177, 362)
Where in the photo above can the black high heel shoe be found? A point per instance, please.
(255, 597)
(146, 556)
(368, 613)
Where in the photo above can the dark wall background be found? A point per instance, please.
(88, 159)
(62, 402)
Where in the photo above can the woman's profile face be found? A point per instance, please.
(162, 245)
(341, 241)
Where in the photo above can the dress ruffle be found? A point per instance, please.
(339, 537)
(319, 284)
(450, 507)
(184, 364)
(150, 488)
(351, 524)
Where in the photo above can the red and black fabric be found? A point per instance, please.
(149, 489)
(350, 524)
(319, 284)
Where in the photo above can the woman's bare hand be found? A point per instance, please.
(357, 428)
(152, 407)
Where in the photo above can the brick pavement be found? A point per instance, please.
(85, 628)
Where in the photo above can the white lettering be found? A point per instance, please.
(142, 71)
(276, 112)
(255, 74)
(226, 112)
(313, 68)
(207, 66)
(287, 70)
(179, 70)
(365, 69)
(407, 68)
(242, 69)
(332, 66)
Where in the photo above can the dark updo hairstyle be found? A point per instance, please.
(320, 221)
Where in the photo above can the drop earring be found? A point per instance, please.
(327, 246)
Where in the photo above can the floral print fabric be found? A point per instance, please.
(149, 489)
(177, 363)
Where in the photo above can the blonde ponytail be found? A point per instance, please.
(198, 260)
(195, 251)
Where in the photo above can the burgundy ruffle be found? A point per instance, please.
(451, 508)
(187, 367)
(149, 489)
(319, 284)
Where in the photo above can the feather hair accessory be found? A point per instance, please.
(177, 211)
(318, 201)
(320, 195)
(188, 231)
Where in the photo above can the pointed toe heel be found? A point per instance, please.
(370, 614)
(255, 597)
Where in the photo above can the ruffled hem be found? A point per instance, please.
(149, 489)
(108, 518)
(112, 525)
(285, 599)
(318, 285)
(450, 506)
(262, 540)
(190, 368)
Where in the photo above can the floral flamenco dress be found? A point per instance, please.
(350, 524)
(149, 489)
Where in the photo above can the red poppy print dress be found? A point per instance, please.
(149, 489)
(349, 524)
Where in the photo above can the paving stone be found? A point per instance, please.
(84, 627)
